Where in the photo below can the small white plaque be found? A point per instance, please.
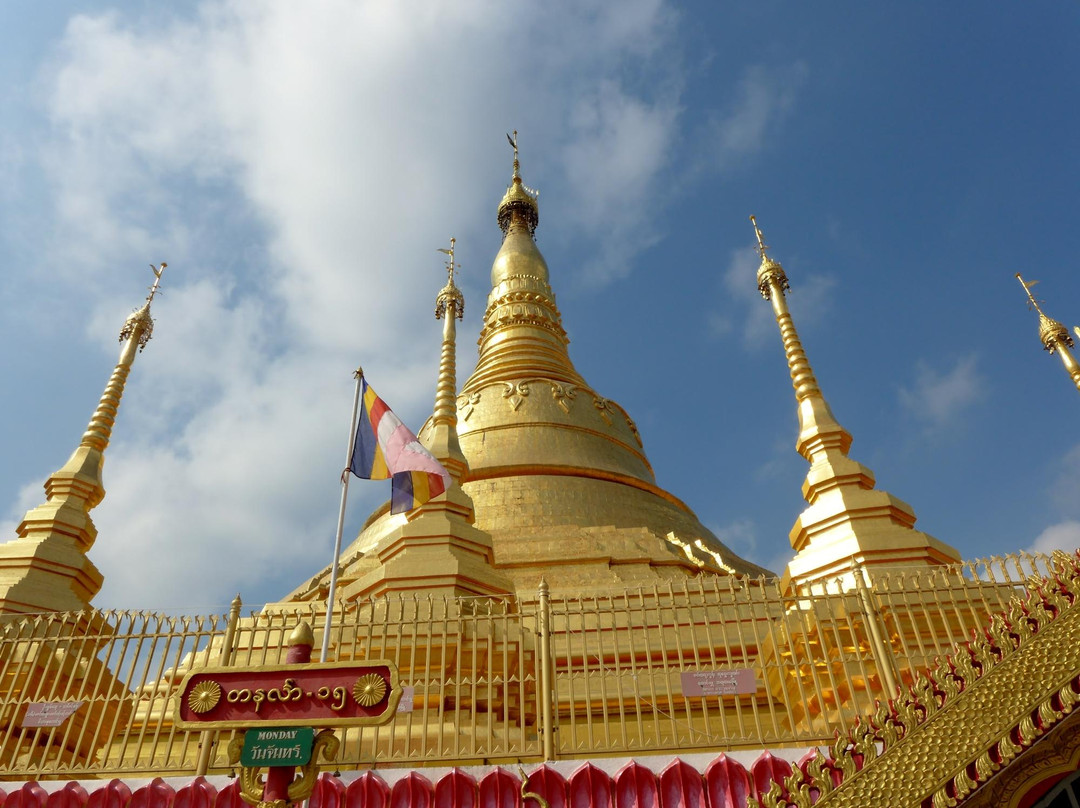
(41, 714)
(736, 681)
(406, 703)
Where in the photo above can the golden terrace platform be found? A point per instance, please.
(558, 609)
(619, 671)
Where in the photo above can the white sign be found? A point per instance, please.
(737, 681)
(406, 703)
(49, 713)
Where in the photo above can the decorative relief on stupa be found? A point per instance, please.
(515, 392)
(466, 403)
(563, 395)
(602, 406)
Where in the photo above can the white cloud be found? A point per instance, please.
(621, 148)
(766, 95)
(939, 397)
(297, 166)
(752, 315)
(1066, 487)
(1062, 536)
(741, 536)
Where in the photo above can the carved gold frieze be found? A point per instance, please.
(562, 393)
(602, 407)
(525, 317)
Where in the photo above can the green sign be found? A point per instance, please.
(277, 746)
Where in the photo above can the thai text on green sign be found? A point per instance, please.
(277, 746)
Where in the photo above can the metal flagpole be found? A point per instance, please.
(358, 375)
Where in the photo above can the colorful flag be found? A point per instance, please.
(385, 448)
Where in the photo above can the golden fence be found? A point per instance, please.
(716, 662)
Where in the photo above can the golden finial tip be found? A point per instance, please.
(450, 296)
(1027, 289)
(762, 246)
(518, 197)
(302, 635)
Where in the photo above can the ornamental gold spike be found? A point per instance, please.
(450, 296)
(1054, 336)
(61, 529)
(847, 520)
(772, 280)
(449, 306)
(513, 145)
(761, 245)
(773, 283)
(520, 200)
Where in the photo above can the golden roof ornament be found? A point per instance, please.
(140, 319)
(770, 271)
(1052, 333)
(443, 440)
(519, 202)
(450, 297)
(1054, 336)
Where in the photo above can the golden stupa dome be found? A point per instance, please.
(557, 473)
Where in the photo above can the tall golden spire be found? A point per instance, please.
(1054, 336)
(437, 548)
(46, 568)
(522, 332)
(449, 307)
(847, 521)
(557, 474)
(773, 284)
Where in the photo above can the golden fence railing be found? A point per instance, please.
(714, 662)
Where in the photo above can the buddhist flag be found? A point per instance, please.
(385, 448)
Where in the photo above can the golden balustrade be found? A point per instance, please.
(714, 663)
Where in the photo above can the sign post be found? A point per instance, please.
(279, 707)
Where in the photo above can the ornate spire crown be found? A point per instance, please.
(450, 297)
(519, 202)
(1052, 333)
(449, 306)
(770, 271)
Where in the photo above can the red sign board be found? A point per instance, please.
(335, 694)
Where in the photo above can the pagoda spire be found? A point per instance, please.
(1054, 336)
(449, 307)
(46, 567)
(820, 430)
(437, 547)
(522, 335)
(847, 522)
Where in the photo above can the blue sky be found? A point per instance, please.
(298, 164)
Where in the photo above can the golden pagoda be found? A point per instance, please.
(556, 608)
(555, 473)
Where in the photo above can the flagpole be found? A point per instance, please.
(358, 375)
